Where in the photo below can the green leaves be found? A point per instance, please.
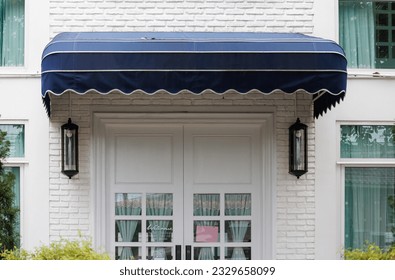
(370, 252)
(8, 212)
(59, 250)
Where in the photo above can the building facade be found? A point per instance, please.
(146, 162)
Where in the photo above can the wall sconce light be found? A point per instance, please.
(69, 149)
(298, 149)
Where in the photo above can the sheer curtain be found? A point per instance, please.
(12, 22)
(159, 205)
(206, 205)
(238, 205)
(369, 216)
(127, 206)
(356, 21)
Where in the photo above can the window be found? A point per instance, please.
(369, 180)
(16, 136)
(367, 33)
(12, 29)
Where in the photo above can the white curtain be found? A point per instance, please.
(368, 212)
(126, 205)
(357, 31)
(238, 205)
(159, 204)
(206, 205)
(12, 25)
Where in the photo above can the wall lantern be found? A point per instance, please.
(298, 149)
(69, 149)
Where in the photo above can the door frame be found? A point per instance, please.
(103, 121)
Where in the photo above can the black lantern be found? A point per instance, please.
(298, 149)
(69, 149)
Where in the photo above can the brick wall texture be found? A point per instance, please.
(71, 201)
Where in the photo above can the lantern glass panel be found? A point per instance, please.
(299, 150)
(70, 160)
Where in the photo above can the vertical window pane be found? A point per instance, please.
(206, 205)
(382, 19)
(12, 37)
(128, 231)
(159, 204)
(369, 207)
(367, 141)
(238, 204)
(159, 230)
(128, 204)
(16, 136)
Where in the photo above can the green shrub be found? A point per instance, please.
(60, 250)
(370, 252)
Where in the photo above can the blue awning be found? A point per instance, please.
(126, 62)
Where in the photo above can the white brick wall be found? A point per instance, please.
(182, 15)
(70, 200)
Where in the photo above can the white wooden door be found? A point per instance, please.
(184, 191)
(222, 187)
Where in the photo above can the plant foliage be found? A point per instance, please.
(370, 252)
(8, 212)
(58, 250)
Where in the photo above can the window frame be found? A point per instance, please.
(343, 163)
(364, 72)
(21, 163)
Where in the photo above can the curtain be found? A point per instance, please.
(238, 205)
(12, 25)
(206, 205)
(127, 205)
(159, 204)
(357, 31)
(369, 213)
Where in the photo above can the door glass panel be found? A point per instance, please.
(159, 204)
(127, 253)
(159, 253)
(159, 230)
(238, 204)
(128, 204)
(206, 231)
(206, 205)
(127, 231)
(238, 231)
(238, 253)
(206, 253)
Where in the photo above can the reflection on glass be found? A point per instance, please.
(159, 204)
(127, 253)
(206, 205)
(16, 136)
(128, 204)
(238, 204)
(206, 253)
(206, 231)
(127, 231)
(159, 230)
(238, 231)
(159, 253)
(238, 253)
(367, 141)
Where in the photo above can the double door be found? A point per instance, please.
(184, 191)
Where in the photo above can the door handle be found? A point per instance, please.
(188, 252)
(178, 252)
